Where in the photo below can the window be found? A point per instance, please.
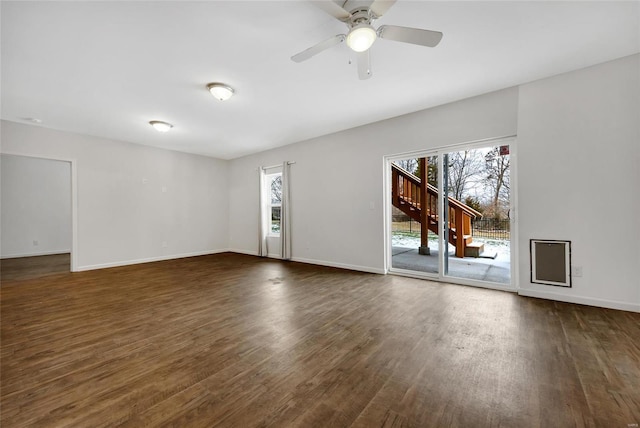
(274, 181)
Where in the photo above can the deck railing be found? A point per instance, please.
(406, 195)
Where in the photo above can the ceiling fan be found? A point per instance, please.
(362, 34)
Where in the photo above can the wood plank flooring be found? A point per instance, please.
(238, 341)
(34, 267)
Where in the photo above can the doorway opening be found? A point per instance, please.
(38, 215)
(450, 214)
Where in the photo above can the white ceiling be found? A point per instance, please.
(108, 68)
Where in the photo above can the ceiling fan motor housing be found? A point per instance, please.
(360, 16)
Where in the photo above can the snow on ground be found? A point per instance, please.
(502, 247)
(407, 241)
(404, 240)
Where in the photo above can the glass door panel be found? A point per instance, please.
(476, 183)
(415, 215)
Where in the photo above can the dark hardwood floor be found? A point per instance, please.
(34, 267)
(239, 341)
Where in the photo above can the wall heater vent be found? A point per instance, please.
(551, 262)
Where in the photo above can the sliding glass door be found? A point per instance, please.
(450, 214)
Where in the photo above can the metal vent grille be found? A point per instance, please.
(551, 262)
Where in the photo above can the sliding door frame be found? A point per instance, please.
(440, 151)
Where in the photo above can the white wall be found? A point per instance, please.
(579, 179)
(122, 220)
(578, 174)
(35, 207)
(337, 180)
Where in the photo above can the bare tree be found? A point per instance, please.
(276, 190)
(409, 165)
(463, 167)
(497, 178)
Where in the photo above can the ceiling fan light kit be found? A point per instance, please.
(220, 91)
(362, 34)
(361, 37)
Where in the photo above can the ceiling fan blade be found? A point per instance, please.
(364, 65)
(380, 7)
(416, 36)
(316, 49)
(332, 9)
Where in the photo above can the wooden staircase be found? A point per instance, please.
(407, 195)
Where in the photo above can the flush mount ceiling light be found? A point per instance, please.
(361, 37)
(161, 126)
(220, 91)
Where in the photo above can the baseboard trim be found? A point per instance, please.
(316, 262)
(339, 265)
(44, 253)
(149, 260)
(246, 252)
(589, 301)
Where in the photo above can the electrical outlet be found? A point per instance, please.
(35, 243)
(164, 244)
(576, 271)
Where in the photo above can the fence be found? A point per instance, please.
(406, 225)
(489, 228)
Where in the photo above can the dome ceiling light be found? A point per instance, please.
(220, 91)
(161, 126)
